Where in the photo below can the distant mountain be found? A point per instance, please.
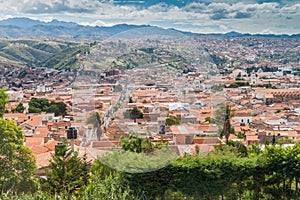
(25, 27)
(21, 22)
(149, 32)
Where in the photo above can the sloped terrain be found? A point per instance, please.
(41, 53)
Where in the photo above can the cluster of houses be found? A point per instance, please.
(260, 115)
(178, 108)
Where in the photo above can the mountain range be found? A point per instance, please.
(25, 27)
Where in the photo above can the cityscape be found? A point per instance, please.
(148, 112)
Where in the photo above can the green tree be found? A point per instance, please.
(135, 113)
(68, 173)
(20, 108)
(222, 118)
(226, 125)
(106, 184)
(108, 188)
(58, 108)
(17, 164)
(137, 144)
(209, 119)
(3, 101)
(37, 105)
(95, 120)
(170, 121)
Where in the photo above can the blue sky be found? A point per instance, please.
(202, 16)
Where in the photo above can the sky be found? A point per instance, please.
(200, 16)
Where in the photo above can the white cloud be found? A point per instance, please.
(221, 15)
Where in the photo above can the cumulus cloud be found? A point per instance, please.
(54, 6)
(240, 15)
(204, 15)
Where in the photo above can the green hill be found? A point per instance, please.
(41, 53)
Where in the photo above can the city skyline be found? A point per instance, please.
(202, 16)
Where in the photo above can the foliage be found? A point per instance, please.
(210, 120)
(139, 155)
(108, 188)
(17, 164)
(222, 118)
(265, 86)
(240, 135)
(221, 174)
(37, 105)
(136, 144)
(133, 113)
(170, 121)
(20, 108)
(3, 101)
(58, 108)
(237, 84)
(68, 173)
(241, 148)
(37, 53)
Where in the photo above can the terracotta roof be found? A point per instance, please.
(203, 148)
(18, 117)
(41, 131)
(51, 145)
(38, 149)
(183, 129)
(33, 141)
(231, 136)
(205, 140)
(33, 121)
(252, 138)
(43, 159)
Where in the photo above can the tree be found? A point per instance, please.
(20, 108)
(226, 126)
(208, 119)
(108, 188)
(3, 101)
(37, 105)
(130, 100)
(170, 121)
(135, 113)
(68, 173)
(58, 108)
(17, 164)
(222, 119)
(136, 144)
(95, 120)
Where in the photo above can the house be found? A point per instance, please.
(17, 117)
(244, 116)
(31, 124)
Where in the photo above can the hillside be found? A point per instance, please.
(40, 53)
(183, 54)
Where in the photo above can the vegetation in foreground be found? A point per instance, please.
(229, 172)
